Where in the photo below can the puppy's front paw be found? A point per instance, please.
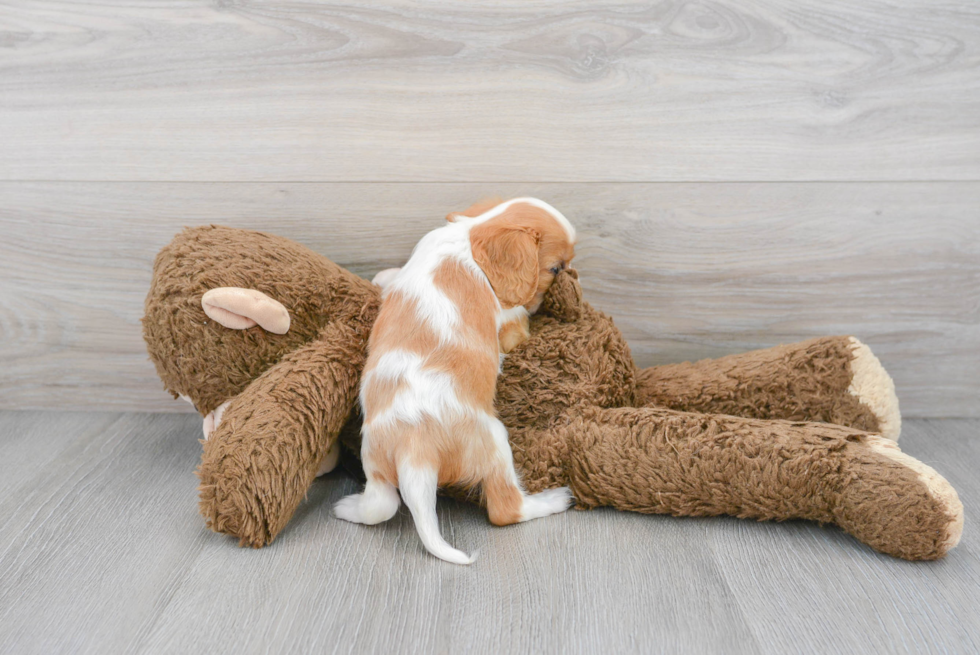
(513, 333)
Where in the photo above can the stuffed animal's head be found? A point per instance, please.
(563, 299)
(204, 360)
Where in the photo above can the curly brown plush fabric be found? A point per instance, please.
(806, 381)
(688, 439)
(660, 461)
(205, 361)
(276, 433)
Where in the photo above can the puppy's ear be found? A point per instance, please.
(509, 257)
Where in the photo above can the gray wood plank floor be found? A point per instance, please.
(102, 551)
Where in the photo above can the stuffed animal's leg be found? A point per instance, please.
(260, 460)
(665, 462)
(327, 464)
(829, 379)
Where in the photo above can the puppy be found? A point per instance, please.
(433, 358)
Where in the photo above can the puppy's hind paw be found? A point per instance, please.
(349, 508)
(378, 503)
(545, 503)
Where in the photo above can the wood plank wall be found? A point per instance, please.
(742, 173)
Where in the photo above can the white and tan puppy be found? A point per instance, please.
(434, 354)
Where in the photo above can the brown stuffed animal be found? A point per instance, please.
(799, 431)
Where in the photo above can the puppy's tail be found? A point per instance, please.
(418, 488)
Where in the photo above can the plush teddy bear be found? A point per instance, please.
(267, 339)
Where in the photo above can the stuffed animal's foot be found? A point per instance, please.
(895, 503)
(873, 387)
(330, 460)
(377, 504)
(240, 309)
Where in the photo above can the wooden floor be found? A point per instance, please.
(102, 551)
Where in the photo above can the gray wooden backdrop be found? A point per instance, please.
(742, 173)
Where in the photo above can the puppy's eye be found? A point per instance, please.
(555, 270)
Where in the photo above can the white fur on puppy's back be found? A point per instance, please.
(427, 392)
(450, 242)
(418, 488)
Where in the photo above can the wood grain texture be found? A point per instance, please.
(687, 270)
(101, 550)
(456, 90)
(96, 541)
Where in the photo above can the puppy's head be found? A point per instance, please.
(521, 245)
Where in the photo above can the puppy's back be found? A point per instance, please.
(433, 353)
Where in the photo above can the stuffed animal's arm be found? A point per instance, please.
(666, 462)
(261, 459)
(828, 379)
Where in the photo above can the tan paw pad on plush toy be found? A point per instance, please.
(938, 487)
(874, 388)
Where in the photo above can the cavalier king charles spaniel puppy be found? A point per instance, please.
(447, 318)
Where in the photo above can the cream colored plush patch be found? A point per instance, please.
(330, 460)
(872, 385)
(240, 309)
(213, 420)
(937, 485)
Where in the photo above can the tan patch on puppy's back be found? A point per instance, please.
(399, 326)
(464, 448)
(473, 360)
(460, 450)
(471, 295)
(474, 371)
(380, 393)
